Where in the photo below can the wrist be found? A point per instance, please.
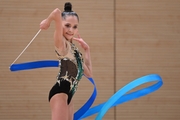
(87, 48)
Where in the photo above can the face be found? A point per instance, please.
(70, 24)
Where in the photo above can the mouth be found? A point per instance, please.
(69, 34)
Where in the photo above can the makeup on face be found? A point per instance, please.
(70, 25)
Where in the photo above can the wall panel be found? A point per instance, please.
(147, 41)
(24, 94)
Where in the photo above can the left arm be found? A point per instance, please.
(87, 57)
(87, 63)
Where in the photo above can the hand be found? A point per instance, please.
(44, 25)
(81, 42)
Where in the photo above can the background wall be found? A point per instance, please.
(147, 41)
(128, 39)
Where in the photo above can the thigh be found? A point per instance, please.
(71, 110)
(59, 107)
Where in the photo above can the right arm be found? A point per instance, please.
(55, 15)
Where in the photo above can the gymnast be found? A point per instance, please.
(72, 64)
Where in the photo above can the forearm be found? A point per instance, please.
(55, 16)
(87, 62)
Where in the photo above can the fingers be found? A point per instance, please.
(78, 35)
(43, 28)
(44, 25)
(77, 39)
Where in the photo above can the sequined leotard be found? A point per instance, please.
(70, 73)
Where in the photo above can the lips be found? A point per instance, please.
(69, 34)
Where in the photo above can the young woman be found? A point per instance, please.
(72, 65)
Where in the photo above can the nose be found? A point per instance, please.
(70, 29)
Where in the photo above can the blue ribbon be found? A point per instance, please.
(118, 98)
(55, 63)
(34, 65)
(88, 104)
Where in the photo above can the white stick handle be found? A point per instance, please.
(27, 46)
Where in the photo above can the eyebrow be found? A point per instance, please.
(70, 24)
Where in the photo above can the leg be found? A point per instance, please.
(71, 110)
(59, 107)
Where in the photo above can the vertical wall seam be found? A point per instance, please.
(114, 54)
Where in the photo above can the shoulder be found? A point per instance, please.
(63, 50)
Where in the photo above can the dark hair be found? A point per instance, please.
(68, 11)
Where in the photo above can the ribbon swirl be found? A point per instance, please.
(118, 98)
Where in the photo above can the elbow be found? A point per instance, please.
(56, 14)
(57, 11)
(88, 75)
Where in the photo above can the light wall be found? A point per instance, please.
(128, 39)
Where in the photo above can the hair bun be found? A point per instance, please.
(68, 7)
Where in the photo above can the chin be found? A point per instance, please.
(68, 38)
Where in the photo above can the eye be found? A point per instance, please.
(75, 27)
(67, 25)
